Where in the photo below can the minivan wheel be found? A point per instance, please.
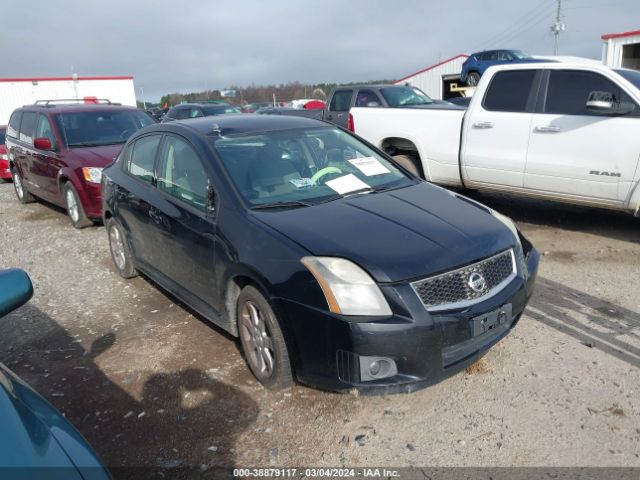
(74, 207)
(120, 253)
(262, 341)
(21, 191)
(473, 78)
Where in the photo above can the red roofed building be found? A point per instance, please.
(436, 80)
(621, 49)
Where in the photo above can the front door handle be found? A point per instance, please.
(483, 125)
(547, 129)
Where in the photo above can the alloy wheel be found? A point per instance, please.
(117, 247)
(17, 183)
(255, 335)
(72, 206)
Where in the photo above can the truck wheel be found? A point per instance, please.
(21, 191)
(262, 341)
(409, 163)
(74, 207)
(473, 78)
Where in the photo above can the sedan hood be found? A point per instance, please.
(95, 156)
(398, 235)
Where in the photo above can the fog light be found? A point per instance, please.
(375, 368)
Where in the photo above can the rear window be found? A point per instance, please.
(14, 124)
(509, 91)
(96, 128)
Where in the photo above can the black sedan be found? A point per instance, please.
(332, 264)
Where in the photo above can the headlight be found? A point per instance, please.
(92, 174)
(349, 290)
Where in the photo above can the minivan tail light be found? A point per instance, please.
(350, 125)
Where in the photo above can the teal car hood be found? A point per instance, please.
(36, 441)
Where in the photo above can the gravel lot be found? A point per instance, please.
(149, 383)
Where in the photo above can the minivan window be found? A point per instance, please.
(14, 124)
(43, 130)
(143, 157)
(28, 127)
(181, 174)
(304, 165)
(569, 90)
(100, 127)
(509, 91)
(341, 101)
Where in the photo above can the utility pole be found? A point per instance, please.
(557, 27)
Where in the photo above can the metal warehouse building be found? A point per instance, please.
(439, 81)
(16, 92)
(621, 50)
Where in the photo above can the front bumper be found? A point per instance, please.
(426, 348)
(91, 200)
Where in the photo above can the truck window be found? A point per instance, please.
(569, 90)
(14, 124)
(341, 101)
(367, 98)
(509, 91)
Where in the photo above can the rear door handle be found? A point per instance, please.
(547, 129)
(483, 125)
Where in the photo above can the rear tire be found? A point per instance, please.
(21, 191)
(120, 253)
(409, 163)
(473, 78)
(263, 344)
(74, 207)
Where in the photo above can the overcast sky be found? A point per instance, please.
(194, 45)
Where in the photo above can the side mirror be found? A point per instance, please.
(606, 103)
(211, 200)
(42, 143)
(15, 290)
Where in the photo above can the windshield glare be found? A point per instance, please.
(304, 165)
(404, 96)
(95, 128)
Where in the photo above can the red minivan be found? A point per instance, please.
(56, 152)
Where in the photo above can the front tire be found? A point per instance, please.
(409, 163)
(74, 207)
(262, 341)
(120, 253)
(473, 78)
(21, 191)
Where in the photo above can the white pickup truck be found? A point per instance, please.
(559, 131)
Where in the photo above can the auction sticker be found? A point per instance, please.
(369, 166)
(347, 183)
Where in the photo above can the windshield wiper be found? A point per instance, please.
(284, 204)
(355, 192)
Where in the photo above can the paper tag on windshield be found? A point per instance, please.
(369, 166)
(346, 184)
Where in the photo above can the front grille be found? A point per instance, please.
(452, 289)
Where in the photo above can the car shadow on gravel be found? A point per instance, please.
(597, 221)
(594, 322)
(164, 425)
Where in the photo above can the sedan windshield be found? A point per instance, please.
(295, 168)
(96, 128)
(520, 55)
(405, 97)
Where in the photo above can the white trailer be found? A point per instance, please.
(16, 92)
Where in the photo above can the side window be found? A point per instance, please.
(367, 98)
(509, 91)
(143, 157)
(196, 112)
(183, 113)
(181, 173)
(43, 130)
(14, 124)
(341, 101)
(569, 90)
(28, 127)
